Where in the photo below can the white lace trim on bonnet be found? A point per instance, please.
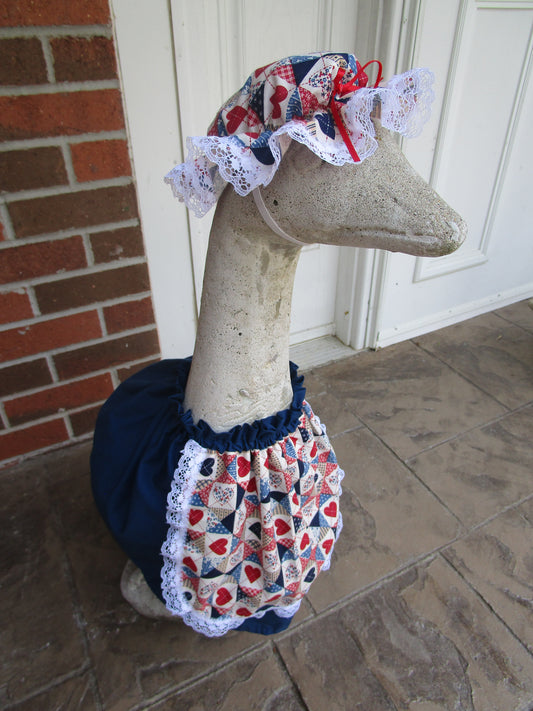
(293, 98)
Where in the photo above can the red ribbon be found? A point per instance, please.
(340, 89)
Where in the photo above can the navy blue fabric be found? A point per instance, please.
(139, 435)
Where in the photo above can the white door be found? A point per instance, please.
(478, 154)
(217, 45)
(179, 62)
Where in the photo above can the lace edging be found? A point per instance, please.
(179, 497)
(214, 161)
(327, 563)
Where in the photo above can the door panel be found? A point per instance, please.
(222, 43)
(480, 162)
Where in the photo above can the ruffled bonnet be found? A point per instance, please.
(320, 99)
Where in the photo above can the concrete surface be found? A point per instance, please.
(429, 601)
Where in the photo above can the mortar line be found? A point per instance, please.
(67, 87)
(48, 58)
(420, 560)
(95, 269)
(57, 31)
(61, 679)
(72, 232)
(79, 617)
(7, 224)
(70, 189)
(182, 687)
(294, 684)
(44, 318)
(459, 373)
(513, 323)
(67, 159)
(460, 435)
(481, 597)
(31, 358)
(47, 141)
(404, 463)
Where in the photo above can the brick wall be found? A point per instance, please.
(75, 304)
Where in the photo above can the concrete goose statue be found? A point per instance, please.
(213, 473)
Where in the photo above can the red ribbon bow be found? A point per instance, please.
(340, 89)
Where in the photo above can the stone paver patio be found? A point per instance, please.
(429, 601)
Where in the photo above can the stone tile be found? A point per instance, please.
(389, 519)
(328, 666)
(73, 694)
(520, 313)
(95, 558)
(38, 631)
(497, 560)
(334, 414)
(485, 470)
(67, 463)
(136, 659)
(256, 682)
(433, 644)
(409, 398)
(315, 383)
(491, 352)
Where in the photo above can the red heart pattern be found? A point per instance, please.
(282, 526)
(305, 541)
(331, 509)
(327, 545)
(234, 118)
(195, 516)
(277, 97)
(219, 546)
(244, 540)
(243, 466)
(189, 562)
(252, 573)
(223, 596)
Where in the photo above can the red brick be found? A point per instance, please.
(26, 261)
(107, 354)
(85, 208)
(124, 373)
(24, 376)
(22, 61)
(48, 335)
(98, 160)
(117, 244)
(54, 12)
(91, 288)
(68, 396)
(14, 443)
(132, 314)
(84, 421)
(15, 306)
(83, 58)
(61, 114)
(34, 168)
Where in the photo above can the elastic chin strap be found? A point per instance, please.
(270, 221)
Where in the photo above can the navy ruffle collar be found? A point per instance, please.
(257, 435)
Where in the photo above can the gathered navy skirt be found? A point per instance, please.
(229, 529)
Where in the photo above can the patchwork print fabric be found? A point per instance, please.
(320, 99)
(250, 531)
(296, 88)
